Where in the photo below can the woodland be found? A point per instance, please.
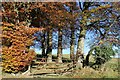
(23, 23)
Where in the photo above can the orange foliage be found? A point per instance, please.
(15, 52)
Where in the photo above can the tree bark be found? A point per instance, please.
(80, 47)
(87, 60)
(88, 55)
(72, 44)
(59, 53)
(43, 45)
(49, 46)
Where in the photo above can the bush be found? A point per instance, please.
(103, 53)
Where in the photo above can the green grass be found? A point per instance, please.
(110, 71)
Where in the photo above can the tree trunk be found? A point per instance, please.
(49, 46)
(80, 47)
(87, 60)
(43, 45)
(88, 55)
(59, 53)
(72, 44)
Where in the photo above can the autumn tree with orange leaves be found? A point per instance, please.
(17, 38)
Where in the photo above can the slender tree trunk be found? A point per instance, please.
(80, 47)
(43, 45)
(59, 53)
(72, 56)
(47, 42)
(87, 60)
(49, 46)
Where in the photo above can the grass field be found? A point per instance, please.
(109, 71)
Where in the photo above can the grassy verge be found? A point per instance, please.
(110, 71)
